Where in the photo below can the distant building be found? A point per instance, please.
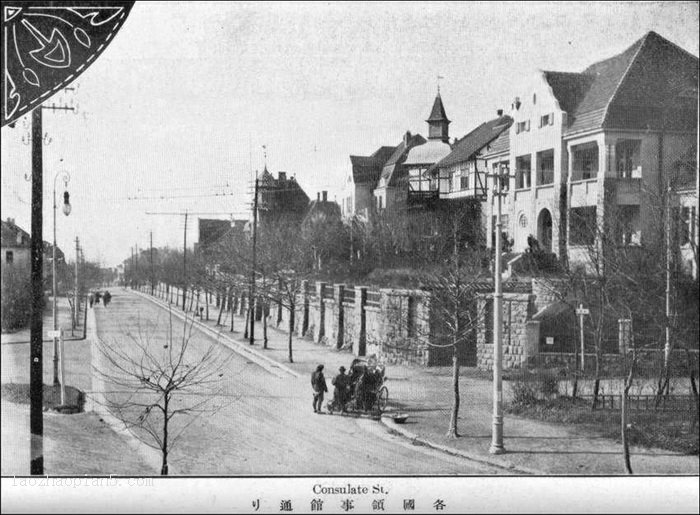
(403, 175)
(210, 230)
(15, 245)
(361, 181)
(280, 199)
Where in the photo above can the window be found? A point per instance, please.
(585, 162)
(522, 221)
(545, 167)
(488, 321)
(547, 119)
(627, 153)
(534, 98)
(522, 172)
(464, 180)
(522, 126)
(9, 257)
(583, 226)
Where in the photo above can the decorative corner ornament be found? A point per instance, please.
(47, 45)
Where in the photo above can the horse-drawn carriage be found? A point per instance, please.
(363, 389)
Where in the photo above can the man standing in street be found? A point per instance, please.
(318, 383)
(340, 394)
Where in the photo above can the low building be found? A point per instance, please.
(362, 179)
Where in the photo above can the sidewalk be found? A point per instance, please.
(532, 447)
(73, 444)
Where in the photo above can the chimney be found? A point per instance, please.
(325, 196)
(406, 137)
(282, 176)
(11, 221)
(517, 103)
(318, 196)
(499, 112)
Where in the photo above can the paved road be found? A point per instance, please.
(267, 425)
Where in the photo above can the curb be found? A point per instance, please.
(269, 364)
(503, 464)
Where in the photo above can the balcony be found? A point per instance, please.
(583, 192)
(419, 199)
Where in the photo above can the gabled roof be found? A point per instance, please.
(437, 113)
(322, 209)
(568, 88)
(12, 235)
(367, 169)
(623, 91)
(399, 156)
(466, 147)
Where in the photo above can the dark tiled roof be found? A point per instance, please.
(627, 90)
(437, 113)
(368, 168)
(568, 88)
(399, 156)
(475, 140)
(500, 144)
(9, 235)
(323, 209)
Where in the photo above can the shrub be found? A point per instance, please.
(16, 298)
(524, 389)
(548, 384)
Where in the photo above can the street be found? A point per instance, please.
(267, 426)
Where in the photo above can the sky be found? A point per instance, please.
(174, 114)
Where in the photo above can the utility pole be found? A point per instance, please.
(151, 256)
(497, 425)
(251, 301)
(184, 267)
(77, 259)
(582, 312)
(36, 383)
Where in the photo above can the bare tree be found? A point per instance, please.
(164, 382)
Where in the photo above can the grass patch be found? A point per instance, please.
(670, 430)
(19, 394)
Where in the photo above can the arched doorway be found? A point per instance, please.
(544, 230)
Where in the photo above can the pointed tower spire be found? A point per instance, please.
(438, 122)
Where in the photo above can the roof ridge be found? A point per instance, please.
(642, 41)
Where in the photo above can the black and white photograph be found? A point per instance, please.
(350, 257)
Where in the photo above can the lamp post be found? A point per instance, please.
(66, 211)
(497, 427)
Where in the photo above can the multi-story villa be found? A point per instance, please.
(601, 140)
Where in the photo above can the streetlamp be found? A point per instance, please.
(497, 428)
(66, 211)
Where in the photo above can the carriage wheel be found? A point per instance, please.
(382, 399)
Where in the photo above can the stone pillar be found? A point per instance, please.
(360, 346)
(320, 330)
(624, 335)
(338, 290)
(533, 340)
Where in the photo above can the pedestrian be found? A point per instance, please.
(91, 299)
(98, 296)
(318, 383)
(107, 297)
(340, 394)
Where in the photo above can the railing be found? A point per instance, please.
(373, 298)
(422, 197)
(583, 175)
(349, 295)
(644, 402)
